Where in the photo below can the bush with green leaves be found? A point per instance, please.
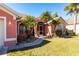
(69, 32)
(28, 21)
(58, 33)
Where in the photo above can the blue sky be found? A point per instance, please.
(35, 9)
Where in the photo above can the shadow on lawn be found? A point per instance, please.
(31, 47)
(71, 36)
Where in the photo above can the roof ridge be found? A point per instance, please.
(9, 9)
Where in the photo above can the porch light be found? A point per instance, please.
(9, 22)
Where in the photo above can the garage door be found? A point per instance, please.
(1, 32)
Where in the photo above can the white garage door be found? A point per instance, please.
(1, 32)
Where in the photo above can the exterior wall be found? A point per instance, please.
(46, 29)
(61, 27)
(53, 28)
(10, 43)
(71, 27)
(18, 25)
(58, 27)
(10, 28)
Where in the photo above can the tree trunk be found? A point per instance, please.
(75, 20)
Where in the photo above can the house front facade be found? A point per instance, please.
(10, 26)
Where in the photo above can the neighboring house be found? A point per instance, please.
(70, 25)
(8, 26)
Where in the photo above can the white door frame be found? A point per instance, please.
(3, 17)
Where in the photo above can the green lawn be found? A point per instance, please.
(51, 47)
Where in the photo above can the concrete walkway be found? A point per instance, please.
(22, 45)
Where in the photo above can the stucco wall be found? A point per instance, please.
(10, 28)
(46, 29)
(61, 27)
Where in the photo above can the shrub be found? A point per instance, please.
(59, 33)
(69, 32)
(22, 37)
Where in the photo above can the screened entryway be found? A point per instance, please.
(41, 28)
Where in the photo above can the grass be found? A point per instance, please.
(51, 47)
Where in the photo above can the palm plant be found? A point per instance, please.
(72, 8)
(55, 15)
(29, 22)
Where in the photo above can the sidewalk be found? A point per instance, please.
(22, 45)
(3, 52)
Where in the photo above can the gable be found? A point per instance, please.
(61, 20)
(7, 15)
(8, 10)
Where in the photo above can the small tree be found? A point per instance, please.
(28, 21)
(46, 16)
(55, 15)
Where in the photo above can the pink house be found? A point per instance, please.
(8, 26)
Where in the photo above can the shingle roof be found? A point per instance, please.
(22, 14)
(9, 9)
(61, 19)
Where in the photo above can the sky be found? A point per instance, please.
(36, 9)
